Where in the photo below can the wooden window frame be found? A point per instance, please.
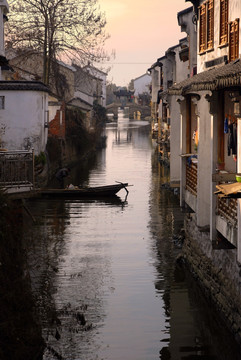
(202, 28)
(210, 24)
(234, 38)
(223, 31)
(206, 26)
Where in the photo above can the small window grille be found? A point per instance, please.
(2, 102)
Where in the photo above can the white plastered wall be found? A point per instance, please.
(22, 120)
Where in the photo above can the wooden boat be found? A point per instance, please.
(93, 192)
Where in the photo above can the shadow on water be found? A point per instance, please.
(20, 330)
(194, 329)
(79, 174)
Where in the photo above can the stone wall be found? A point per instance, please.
(218, 273)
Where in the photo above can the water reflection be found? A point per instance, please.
(20, 328)
(193, 329)
(104, 273)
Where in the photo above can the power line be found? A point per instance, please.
(127, 63)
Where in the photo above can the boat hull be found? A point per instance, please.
(93, 192)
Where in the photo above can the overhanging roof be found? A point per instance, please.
(82, 104)
(23, 85)
(214, 79)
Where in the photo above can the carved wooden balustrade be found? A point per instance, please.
(191, 176)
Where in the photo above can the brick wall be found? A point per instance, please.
(57, 126)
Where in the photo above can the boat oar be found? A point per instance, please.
(123, 186)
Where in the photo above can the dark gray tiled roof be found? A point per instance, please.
(213, 79)
(23, 85)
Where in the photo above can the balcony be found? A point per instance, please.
(227, 209)
(191, 175)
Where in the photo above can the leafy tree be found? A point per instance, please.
(131, 85)
(110, 88)
(58, 29)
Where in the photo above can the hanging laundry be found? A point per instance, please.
(196, 138)
(232, 139)
(226, 125)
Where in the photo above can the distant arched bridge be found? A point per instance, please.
(134, 109)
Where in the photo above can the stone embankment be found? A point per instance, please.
(218, 273)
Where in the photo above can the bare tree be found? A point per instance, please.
(58, 29)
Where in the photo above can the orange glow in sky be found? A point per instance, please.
(141, 31)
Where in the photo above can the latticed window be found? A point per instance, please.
(210, 24)
(223, 22)
(206, 32)
(202, 32)
(234, 40)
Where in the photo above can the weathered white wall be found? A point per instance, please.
(175, 139)
(155, 76)
(53, 106)
(182, 68)
(185, 20)
(22, 120)
(84, 96)
(167, 71)
(141, 84)
(182, 71)
(102, 76)
(204, 162)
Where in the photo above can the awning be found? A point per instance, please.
(214, 79)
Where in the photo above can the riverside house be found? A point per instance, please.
(169, 69)
(23, 104)
(210, 111)
(210, 155)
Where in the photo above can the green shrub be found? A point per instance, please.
(40, 159)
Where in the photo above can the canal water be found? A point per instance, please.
(103, 273)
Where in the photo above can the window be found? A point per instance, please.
(210, 24)
(202, 32)
(2, 102)
(223, 22)
(234, 40)
(161, 77)
(206, 32)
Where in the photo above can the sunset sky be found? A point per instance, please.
(141, 31)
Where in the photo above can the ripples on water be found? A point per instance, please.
(103, 272)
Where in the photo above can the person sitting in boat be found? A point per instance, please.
(61, 175)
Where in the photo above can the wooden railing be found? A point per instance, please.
(191, 176)
(227, 208)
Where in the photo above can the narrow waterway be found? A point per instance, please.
(103, 273)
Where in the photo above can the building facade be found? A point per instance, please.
(210, 145)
